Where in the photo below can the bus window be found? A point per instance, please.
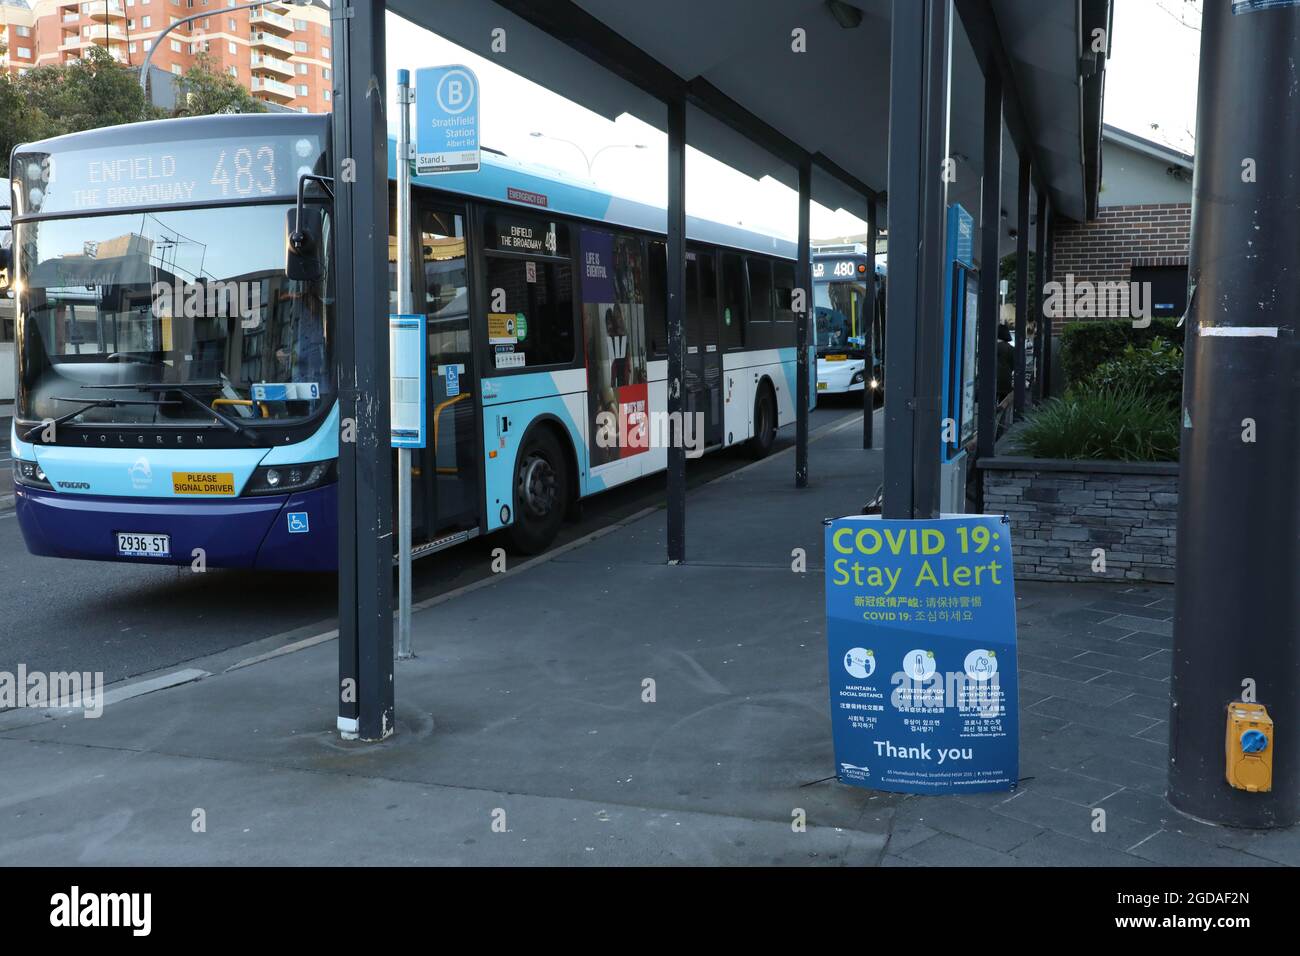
(656, 298)
(709, 299)
(539, 300)
(783, 281)
(692, 317)
(760, 302)
(733, 302)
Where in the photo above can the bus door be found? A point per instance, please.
(703, 351)
(446, 496)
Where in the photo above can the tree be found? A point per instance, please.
(52, 100)
(202, 92)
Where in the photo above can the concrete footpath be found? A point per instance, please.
(524, 735)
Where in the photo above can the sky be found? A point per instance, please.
(1150, 91)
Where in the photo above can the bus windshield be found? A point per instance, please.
(112, 306)
(840, 317)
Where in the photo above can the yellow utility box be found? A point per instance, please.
(1249, 747)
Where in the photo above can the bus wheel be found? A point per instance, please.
(760, 446)
(541, 492)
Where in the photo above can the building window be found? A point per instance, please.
(302, 89)
(24, 31)
(146, 22)
(327, 96)
(176, 69)
(234, 71)
(324, 53)
(131, 47)
(232, 48)
(300, 24)
(302, 69)
(25, 52)
(300, 46)
(233, 25)
(176, 46)
(325, 72)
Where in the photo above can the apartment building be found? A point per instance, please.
(278, 51)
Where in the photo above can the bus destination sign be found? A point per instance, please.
(166, 174)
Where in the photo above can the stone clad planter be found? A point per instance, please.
(1062, 511)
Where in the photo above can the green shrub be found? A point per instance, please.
(1114, 424)
(1086, 345)
(1156, 371)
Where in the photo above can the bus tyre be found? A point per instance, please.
(541, 492)
(760, 446)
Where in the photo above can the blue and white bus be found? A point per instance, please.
(177, 388)
(850, 334)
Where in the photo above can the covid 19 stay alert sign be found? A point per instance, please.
(921, 634)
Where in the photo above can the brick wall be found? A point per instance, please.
(1060, 516)
(1105, 249)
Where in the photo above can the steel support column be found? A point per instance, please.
(1041, 278)
(986, 350)
(676, 301)
(1049, 372)
(360, 155)
(869, 313)
(803, 282)
(1022, 284)
(1237, 607)
(918, 127)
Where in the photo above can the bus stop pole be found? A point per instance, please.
(869, 332)
(918, 126)
(1236, 609)
(803, 282)
(987, 314)
(365, 464)
(676, 304)
(1022, 283)
(405, 305)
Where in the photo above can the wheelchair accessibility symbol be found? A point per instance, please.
(298, 523)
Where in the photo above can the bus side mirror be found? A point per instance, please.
(302, 259)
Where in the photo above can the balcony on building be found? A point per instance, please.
(108, 35)
(111, 10)
(264, 19)
(273, 90)
(262, 40)
(264, 64)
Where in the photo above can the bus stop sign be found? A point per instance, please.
(446, 120)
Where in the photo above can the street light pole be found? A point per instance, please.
(589, 160)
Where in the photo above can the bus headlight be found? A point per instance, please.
(31, 474)
(286, 479)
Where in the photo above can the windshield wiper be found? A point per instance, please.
(185, 393)
(87, 405)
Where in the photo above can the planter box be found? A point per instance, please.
(1063, 511)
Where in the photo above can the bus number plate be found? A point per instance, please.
(133, 544)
